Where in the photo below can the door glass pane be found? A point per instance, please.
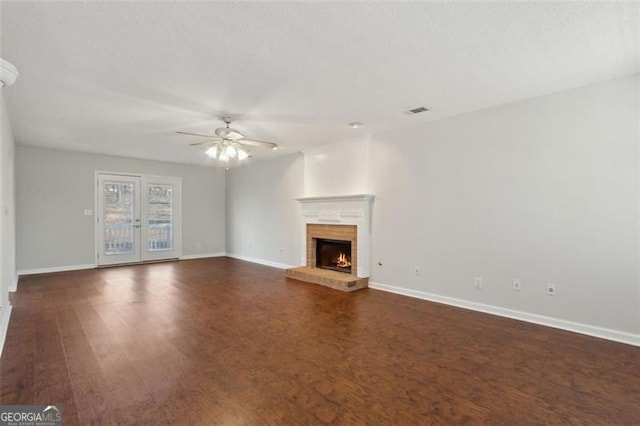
(160, 210)
(118, 217)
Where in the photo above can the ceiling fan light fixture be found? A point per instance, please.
(228, 144)
(212, 152)
(230, 151)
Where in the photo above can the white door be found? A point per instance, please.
(161, 219)
(118, 219)
(138, 218)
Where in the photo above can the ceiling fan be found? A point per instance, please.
(229, 143)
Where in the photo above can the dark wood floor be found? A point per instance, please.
(223, 341)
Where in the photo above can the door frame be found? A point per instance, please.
(144, 178)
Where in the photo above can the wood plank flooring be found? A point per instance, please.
(221, 341)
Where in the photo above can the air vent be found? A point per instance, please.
(417, 110)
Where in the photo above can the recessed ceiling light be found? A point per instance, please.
(355, 124)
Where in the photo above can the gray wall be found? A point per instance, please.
(54, 187)
(545, 190)
(7, 208)
(263, 218)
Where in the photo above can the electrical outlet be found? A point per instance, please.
(551, 289)
(418, 270)
(477, 283)
(517, 284)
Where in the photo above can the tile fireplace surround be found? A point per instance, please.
(342, 217)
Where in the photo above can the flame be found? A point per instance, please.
(342, 261)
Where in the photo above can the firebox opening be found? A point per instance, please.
(333, 254)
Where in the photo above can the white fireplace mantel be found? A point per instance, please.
(336, 198)
(341, 210)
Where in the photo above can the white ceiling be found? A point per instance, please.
(121, 78)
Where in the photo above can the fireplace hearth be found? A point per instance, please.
(333, 254)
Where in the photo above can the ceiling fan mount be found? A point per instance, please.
(228, 143)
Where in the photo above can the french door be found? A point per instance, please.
(138, 218)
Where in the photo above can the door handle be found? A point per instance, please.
(136, 226)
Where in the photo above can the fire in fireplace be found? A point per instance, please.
(333, 254)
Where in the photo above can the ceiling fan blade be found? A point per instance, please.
(228, 133)
(234, 135)
(262, 144)
(196, 134)
(201, 143)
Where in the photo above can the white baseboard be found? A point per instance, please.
(13, 287)
(260, 261)
(5, 316)
(202, 256)
(91, 266)
(55, 269)
(590, 330)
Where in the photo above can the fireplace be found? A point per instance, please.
(336, 235)
(333, 254)
(333, 247)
